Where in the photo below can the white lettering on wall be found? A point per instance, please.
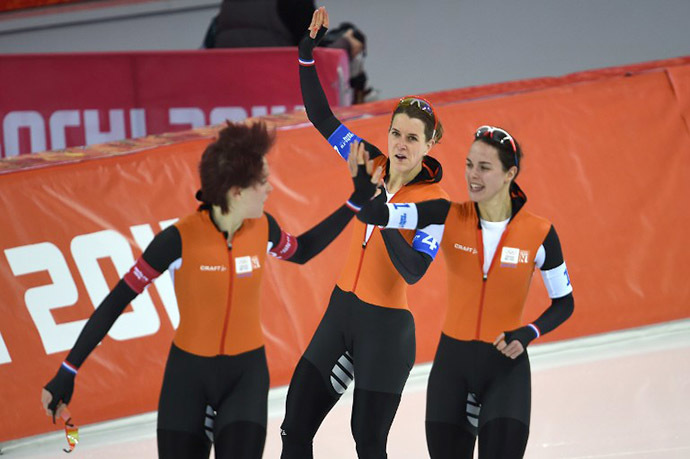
(58, 122)
(90, 123)
(40, 300)
(137, 122)
(86, 250)
(262, 110)
(220, 114)
(92, 126)
(4, 353)
(23, 119)
(192, 116)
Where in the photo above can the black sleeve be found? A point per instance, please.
(560, 310)
(410, 263)
(432, 212)
(312, 242)
(315, 102)
(274, 230)
(552, 248)
(165, 248)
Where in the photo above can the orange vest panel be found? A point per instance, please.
(218, 289)
(369, 272)
(482, 309)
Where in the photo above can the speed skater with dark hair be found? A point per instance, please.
(367, 333)
(216, 369)
(480, 381)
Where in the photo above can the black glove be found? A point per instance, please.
(307, 44)
(364, 189)
(375, 211)
(523, 334)
(61, 388)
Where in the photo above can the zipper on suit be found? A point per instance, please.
(480, 244)
(228, 302)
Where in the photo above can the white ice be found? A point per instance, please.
(618, 395)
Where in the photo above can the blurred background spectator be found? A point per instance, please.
(256, 23)
(266, 23)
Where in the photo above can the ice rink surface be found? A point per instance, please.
(618, 395)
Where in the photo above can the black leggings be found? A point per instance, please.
(354, 338)
(221, 400)
(474, 390)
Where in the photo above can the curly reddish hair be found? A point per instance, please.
(235, 158)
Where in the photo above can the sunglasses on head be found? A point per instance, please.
(498, 135)
(420, 103)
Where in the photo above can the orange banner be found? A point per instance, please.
(606, 159)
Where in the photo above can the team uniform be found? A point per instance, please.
(216, 378)
(367, 332)
(474, 389)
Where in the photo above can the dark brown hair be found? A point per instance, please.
(235, 158)
(414, 111)
(506, 155)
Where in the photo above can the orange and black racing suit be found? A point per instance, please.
(216, 378)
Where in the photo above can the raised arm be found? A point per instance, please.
(315, 101)
(161, 252)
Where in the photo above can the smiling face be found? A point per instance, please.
(407, 145)
(487, 181)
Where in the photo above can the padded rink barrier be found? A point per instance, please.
(606, 159)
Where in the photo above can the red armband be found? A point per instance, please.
(141, 275)
(286, 248)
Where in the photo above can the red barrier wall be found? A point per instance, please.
(606, 159)
(53, 101)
